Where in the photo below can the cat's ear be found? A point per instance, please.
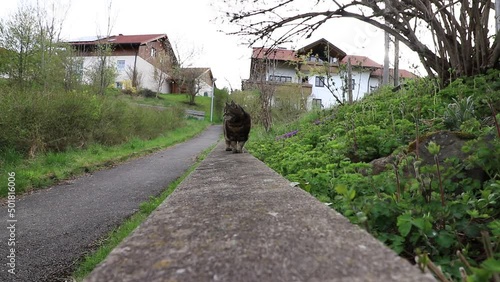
(232, 103)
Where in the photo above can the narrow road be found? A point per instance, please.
(56, 226)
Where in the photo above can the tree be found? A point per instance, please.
(135, 77)
(186, 77)
(190, 80)
(33, 53)
(102, 72)
(18, 34)
(161, 64)
(266, 89)
(461, 43)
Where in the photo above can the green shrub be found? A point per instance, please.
(147, 93)
(328, 152)
(32, 123)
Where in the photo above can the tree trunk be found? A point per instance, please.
(385, 75)
(497, 15)
(349, 80)
(396, 62)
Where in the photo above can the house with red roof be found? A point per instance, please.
(143, 54)
(204, 81)
(320, 69)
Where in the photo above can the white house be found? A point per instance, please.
(144, 54)
(321, 68)
(203, 79)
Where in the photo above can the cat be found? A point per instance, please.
(237, 124)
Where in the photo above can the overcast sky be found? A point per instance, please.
(189, 25)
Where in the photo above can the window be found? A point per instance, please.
(280, 78)
(153, 52)
(353, 84)
(120, 65)
(119, 85)
(320, 81)
(316, 103)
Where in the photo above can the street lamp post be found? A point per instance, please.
(212, 102)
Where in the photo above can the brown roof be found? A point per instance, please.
(402, 73)
(124, 39)
(366, 62)
(361, 61)
(318, 46)
(274, 54)
(197, 71)
(283, 54)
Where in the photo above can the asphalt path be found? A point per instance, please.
(56, 226)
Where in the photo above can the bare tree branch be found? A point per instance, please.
(462, 43)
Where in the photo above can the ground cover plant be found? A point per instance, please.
(429, 209)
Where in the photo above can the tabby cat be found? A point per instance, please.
(237, 125)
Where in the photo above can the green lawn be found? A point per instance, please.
(168, 100)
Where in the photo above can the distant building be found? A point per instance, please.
(132, 52)
(319, 69)
(204, 81)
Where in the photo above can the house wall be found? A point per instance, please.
(205, 87)
(360, 87)
(283, 69)
(363, 83)
(374, 83)
(143, 67)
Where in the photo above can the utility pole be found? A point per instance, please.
(212, 100)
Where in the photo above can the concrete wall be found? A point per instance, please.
(235, 219)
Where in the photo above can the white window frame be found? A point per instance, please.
(319, 81)
(120, 65)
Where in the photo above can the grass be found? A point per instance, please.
(169, 100)
(116, 236)
(50, 168)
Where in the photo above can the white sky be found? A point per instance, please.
(189, 25)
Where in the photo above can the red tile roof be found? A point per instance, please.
(124, 39)
(402, 73)
(274, 54)
(407, 74)
(361, 61)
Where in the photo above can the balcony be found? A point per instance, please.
(250, 84)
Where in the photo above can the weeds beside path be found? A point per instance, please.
(56, 226)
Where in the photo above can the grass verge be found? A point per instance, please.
(50, 168)
(106, 245)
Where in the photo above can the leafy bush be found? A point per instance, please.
(458, 112)
(328, 153)
(147, 93)
(33, 122)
